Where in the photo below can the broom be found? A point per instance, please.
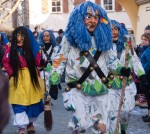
(128, 45)
(48, 121)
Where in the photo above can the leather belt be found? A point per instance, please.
(93, 66)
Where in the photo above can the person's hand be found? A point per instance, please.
(43, 63)
(125, 72)
(54, 91)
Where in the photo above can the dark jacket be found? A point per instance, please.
(4, 106)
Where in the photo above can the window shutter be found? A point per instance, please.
(65, 6)
(45, 8)
(98, 2)
(77, 2)
(118, 7)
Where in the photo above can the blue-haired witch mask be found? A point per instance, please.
(78, 33)
(3, 39)
(52, 38)
(118, 32)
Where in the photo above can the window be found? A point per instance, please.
(108, 5)
(56, 6)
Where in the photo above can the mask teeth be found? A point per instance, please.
(89, 26)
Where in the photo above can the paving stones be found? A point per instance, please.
(61, 118)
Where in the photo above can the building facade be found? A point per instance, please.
(54, 14)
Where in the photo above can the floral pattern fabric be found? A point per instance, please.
(130, 92)
(90, 104)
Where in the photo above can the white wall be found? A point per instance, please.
(48, 21)
(143, 21)
(57, 21)
(121, 17)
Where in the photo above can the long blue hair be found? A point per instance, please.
(52, 38)
(4, 39)
(122, 31)
(77, 34)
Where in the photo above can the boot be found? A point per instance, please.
(123, 132)
(21, 131)
(147, 117)
(30, 128)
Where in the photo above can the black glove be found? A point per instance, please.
(54, 91)
(43, 63)
(125, 71)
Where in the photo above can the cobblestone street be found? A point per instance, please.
(61, 117)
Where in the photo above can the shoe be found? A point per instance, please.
(21, 131)
(59, 86)
(30, 129)
(143, 105)
(143, 117)
(146, 119)
(123, 132)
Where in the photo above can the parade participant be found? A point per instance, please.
(3, 43)
(144, 57)
(49, 50)
(119, 32)
(4, 106)
(86, 53)
(26, 88)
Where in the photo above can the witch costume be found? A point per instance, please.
(116, 81)
(87, 58)
(26, 88)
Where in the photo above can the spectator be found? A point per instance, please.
(140, 99)
(145, 60)
(59, 38)
(36, 33)
(147, 29)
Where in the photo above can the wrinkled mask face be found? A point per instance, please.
(20, 39)
(46, 37)
(91, 19)
(115, 32)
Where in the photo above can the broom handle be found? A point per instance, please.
(44, 76)
(123, 91)
(44, 81)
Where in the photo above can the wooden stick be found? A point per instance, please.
(123, 91)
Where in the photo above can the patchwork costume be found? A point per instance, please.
(49, 51)
(116, 81)
(88, 58)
